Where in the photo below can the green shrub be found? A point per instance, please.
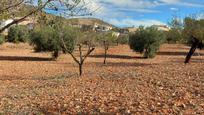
(174, 36)
(45, 39)
(147, 41)
(123, 39)
(2, 39)
(48, 39)
(18, 34)
(69, 36)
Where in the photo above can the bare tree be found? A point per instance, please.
(106, 40)
(82, 57)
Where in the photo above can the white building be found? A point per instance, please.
(28, 21)
(3, 23)
(162, 27)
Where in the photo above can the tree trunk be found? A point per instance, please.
(105, 51)
(105, 56)
(80, 69)
(55, 54)
(192, 50)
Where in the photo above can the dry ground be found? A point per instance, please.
(31, 83)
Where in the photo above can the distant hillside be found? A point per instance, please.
(88, 21)
(74, 21)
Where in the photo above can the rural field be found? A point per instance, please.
(32, 83)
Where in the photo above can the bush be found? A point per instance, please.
(2, 39)
(174, 36)
(123, 39)
(146, 41)
(44, 39)
(18, 34)
(69, 36)
(48, 39)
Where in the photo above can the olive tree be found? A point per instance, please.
(18, 34)
(194, 32)
(147, 41)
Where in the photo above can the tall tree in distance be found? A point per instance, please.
(174, 35)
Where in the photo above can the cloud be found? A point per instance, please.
(181, 3)
(124, 12)
(191, 4)
(170, 1)
(138, 10)
(133, 22)
(137, 4)
(174, 9)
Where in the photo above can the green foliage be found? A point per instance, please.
(193, 27)
(69, 36)
(45, 39)
(18, 34)
(123, 39)
(88, 38)
(147, 41)
(108, 37)
(174, 36)
(49, 39)
(67, 33)
(2, 39)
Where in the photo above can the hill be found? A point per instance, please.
(26, 9)
(88, 21)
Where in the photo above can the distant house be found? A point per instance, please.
(3, 23)
(102, 28)
(116, 34)
(91, 26)
(124, 31)
(26, 22)
(162, 27)
(132, 29)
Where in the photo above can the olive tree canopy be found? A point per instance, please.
(194, 32)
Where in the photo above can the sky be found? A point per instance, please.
(129, 13)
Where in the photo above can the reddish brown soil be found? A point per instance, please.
(31, 83)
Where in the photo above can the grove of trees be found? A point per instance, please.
(54, 34)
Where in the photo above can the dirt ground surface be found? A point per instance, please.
(32, 83)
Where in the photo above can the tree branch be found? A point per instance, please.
(11, 6)
(65, 47)
(88, 53)
(21, 19)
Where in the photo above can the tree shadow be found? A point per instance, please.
(24, 58)
(166, 53)
(193, 60)
(38, 78)
(185, 47)
(116, 56)
(117, 64)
